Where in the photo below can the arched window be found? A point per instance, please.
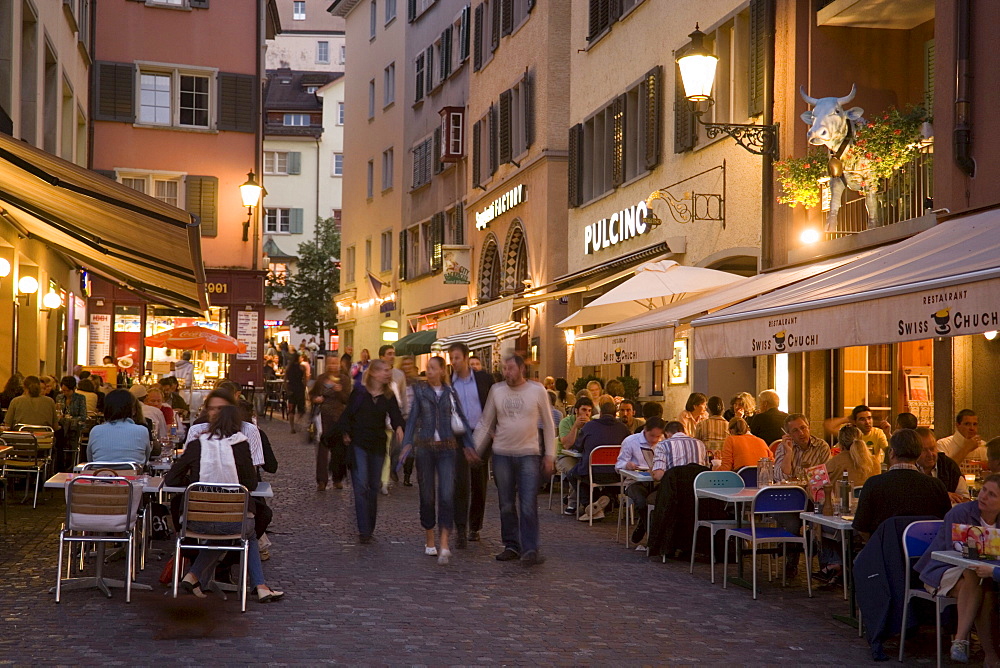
(490, 271)
(515, 259)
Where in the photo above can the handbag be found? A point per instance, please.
(457, 425)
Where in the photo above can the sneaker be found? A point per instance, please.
(570, 510)
(532, 558)
(431, 551)
(508, 555)
(385, 490)
(265, 554)
(599, 515)
(960, 651)
(473, 536)
(444, 557)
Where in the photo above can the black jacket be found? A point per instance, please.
(365, 417)
(948, 472)
(768, 425)
(673, 517)
(484, 382)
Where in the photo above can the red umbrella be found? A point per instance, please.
(196, 338)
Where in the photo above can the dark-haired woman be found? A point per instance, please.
(221, 455)
(119, 438)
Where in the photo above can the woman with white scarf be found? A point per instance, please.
(221, 455)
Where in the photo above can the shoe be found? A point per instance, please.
(265, 554)
(639, 533)
(473, 536)
(532, 558)
(461, 542)
(365, 540)
(321, 487)
(960, 651)
(878, 651)
(406, 481)
(570, 510)
(192, 588)
(444, 557)
(431, 551)
(508, 555)
(338, 485)
(823, 575)
(270, 596)
(385, 490)
(599, 515)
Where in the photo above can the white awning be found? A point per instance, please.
(482, 337)
(650, 337)
(941, 282)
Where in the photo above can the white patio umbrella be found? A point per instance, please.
(655, 284)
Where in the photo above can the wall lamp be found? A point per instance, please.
(250, 193)
(26, 286)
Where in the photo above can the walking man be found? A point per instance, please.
(512, 413)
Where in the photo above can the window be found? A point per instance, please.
(454, 227)
(387, 160)
(349, 266)
(731, 43)
(427, 244)
(154, 98)
(340, 113)
(163, 187)
(338, 164)
(373, 20)
(484, 148)
(371, 178)
(322, 52)
(166, 190)
(422, 159)
(310, 90)
(368, 254)
(419, 72)
(413, 255)
(135, 183)
(277, 273)
(194, 101)
(868, 378)
(514, 121)
(390, 10)
(389, 85)
(297, 120)
(277, 221)
(343, 54)
(486, 27)
(371, 99)
(299, 10)
(275, 162)
(418, 7)
(386, 264)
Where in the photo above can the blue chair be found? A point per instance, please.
(749, 475)
(712, 480)
(917, 539)
(772, 501)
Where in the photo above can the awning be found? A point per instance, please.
(650, 337)
(941, 282)
(130, 238)
(655, 284)
(482, 337)
(416, 343)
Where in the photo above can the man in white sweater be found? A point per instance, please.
(511, 416)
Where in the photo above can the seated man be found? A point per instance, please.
(941, 467)
(149, 411)
(677, 449)
(861, 417)
(965, 443)
(569, 429)
(905, 421)
(171, 395)
(626, 413)
(605, 430)
(650, 409)
(637, 453)
(902, 490)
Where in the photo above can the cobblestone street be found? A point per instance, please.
(592, 602)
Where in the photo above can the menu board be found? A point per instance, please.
(247, 327)
(100, 337)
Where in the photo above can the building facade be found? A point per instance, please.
(311, 39)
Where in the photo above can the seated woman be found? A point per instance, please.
(975, 588)
(741, 448)
(87, 388)
(118, 438)
(221, 454)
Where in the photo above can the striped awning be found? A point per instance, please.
(484, 336)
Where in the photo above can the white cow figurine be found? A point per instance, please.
(832, 126)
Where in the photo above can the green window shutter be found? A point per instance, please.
(201, 199)
(503, 134)
(239, 106)
(294, 162)
(684, 121)
(652, 115)
(402, 255)
(114, 91)
(494, 144)
(496, 12)
(761, 32)
(295, 221)
(477, 29)
(528, 99)
(575, 155)
(929, 76)
(476, 148)
(437, 239)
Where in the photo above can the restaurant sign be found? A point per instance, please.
(953, 311)
(500, 205)
(457, 264)
(621, 226)
(492, 313)
(628, 348)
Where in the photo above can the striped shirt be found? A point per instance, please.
(816, 452)
(248, 430)
(712, 431)
(678, 450)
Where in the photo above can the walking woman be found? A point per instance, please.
(429, 429)
(329, 395)
(295, 383)
(363, 425)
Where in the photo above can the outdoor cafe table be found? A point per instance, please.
(263, 490)
(845, 526)
(736, 497)
(956, 559)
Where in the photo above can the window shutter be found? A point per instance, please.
(617, 143)
(575, 153)
(411, 10)
(402, 255)
(459, 224)
(238, 102)
(295, 221)
(652, 102)
(476, 155)
(109, 173)
(493, 139)
(507, 17)
(437, 239)
(463, 34)
(446, 53)
(429, 68)
(528, 100)
(198, 4)
(503, 134)
(601, 14)
(114, 90)
(684, 128)
(929, 76)
(761, 31)
(201, 199)
(294, 162)
(436, 151)
(496, 12)
(477, 27)
(419, 68)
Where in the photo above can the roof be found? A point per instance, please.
(286, 89)
(342, 7)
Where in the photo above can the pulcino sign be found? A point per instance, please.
(621, 226)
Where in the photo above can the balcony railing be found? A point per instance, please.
(907, 194)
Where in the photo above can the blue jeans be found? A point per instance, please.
(366, 478)
(436, 463)
(517, 481)
(203, 567)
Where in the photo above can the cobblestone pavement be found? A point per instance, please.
(592, 602)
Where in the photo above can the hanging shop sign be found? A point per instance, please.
(493, 313)
(501, 205)
(100, 337)
(457, 264)
(621, 226)
(246, 331)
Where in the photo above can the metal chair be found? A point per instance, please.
(101, 510)
(772, 501)
(602, 455)
(27, 457)
(275, 398)
(712, 480)
(217, 503)
(917, 539)
(749, 475)
(552, 486)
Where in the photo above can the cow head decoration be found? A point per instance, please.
(828, 121)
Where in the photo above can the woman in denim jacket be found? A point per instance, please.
(428, 430)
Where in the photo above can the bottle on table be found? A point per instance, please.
(845, 495)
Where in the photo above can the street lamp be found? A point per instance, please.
(250, 193)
